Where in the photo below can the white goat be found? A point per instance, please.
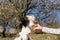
(24, 34)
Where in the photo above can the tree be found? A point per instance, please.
(12, 10)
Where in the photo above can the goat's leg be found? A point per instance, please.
(29, 38)
(18, 38)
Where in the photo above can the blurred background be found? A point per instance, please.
(47, 13)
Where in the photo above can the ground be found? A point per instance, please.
(38, 37)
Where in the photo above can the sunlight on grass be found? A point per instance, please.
(37, 37)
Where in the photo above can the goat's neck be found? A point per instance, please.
(25, 30)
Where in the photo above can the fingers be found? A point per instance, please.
(37, 26)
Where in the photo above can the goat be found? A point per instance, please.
(27, 24)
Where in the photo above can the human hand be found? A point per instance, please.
(37, 27)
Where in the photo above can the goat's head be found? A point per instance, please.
(24, 21)
(31, 18)
(27, 19)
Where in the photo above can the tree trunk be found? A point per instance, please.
(4, 32)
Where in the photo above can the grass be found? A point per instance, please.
(38, 37)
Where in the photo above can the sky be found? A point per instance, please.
(58, 15)
(35, 11)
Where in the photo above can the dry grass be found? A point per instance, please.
(38, 37)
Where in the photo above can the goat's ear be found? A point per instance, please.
(23, 14)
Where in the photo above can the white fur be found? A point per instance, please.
(24, 34)
(31, 19)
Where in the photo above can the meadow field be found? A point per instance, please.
(37, 37)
